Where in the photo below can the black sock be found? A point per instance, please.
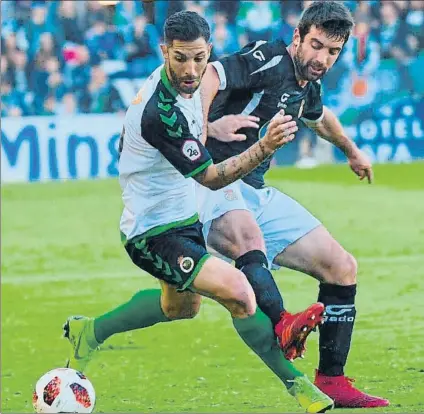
(254, 265)
(336, 332)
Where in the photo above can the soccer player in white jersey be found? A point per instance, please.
(160, 153)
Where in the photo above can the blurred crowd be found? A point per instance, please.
(67, 57)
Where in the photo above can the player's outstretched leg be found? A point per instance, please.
(86, 334)
(220, 281)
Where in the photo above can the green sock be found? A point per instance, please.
(257, 332)
(143, 310)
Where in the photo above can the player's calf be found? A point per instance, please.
(179, 305)
(254, 265)
(175, 313)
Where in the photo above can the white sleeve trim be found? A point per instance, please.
(312, 122)
(221, 74)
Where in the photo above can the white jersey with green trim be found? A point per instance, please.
(159, 153)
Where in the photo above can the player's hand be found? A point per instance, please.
(281, 131)
(224, 129)
(361, 166)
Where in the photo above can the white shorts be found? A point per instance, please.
(281, 219)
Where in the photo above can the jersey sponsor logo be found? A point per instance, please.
(283, 103)
(191, 150)
(283, 100)
(186, 264)
(264, 127)
(257, 54)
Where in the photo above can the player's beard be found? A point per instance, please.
(309, 70)
(177, 82)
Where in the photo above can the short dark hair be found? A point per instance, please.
(332, 17)
(186, 26)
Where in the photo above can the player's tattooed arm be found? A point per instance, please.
(281, 131)
(200, 177)
(220, 175)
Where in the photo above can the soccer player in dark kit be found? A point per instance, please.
(260, 227)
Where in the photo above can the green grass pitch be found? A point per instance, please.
(61, 255)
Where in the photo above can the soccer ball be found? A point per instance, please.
(64, 390)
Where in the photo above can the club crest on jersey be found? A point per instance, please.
(230, 195)
(191, 150)
(186, 264)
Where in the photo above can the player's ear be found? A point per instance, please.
(296, 37)
(209, 50)
(165, 52)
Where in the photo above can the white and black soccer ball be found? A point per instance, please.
(64, 390)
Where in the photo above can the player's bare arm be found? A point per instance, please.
(280, 132)
(332, 130)
(225, 128)
(208, 90)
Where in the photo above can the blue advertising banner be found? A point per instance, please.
(393, 132)
(59, 148)
(85, 146)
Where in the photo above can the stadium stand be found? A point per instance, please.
(68, 57)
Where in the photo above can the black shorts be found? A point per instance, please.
(175, 256)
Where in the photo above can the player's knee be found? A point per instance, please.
(250, 239)
(177, 311)
(351, 269)
(239, 297)
(343, 271)
(235, 233)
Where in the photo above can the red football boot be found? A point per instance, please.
(293, 329)
(345, 395)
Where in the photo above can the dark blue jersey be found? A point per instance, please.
(260, 80)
